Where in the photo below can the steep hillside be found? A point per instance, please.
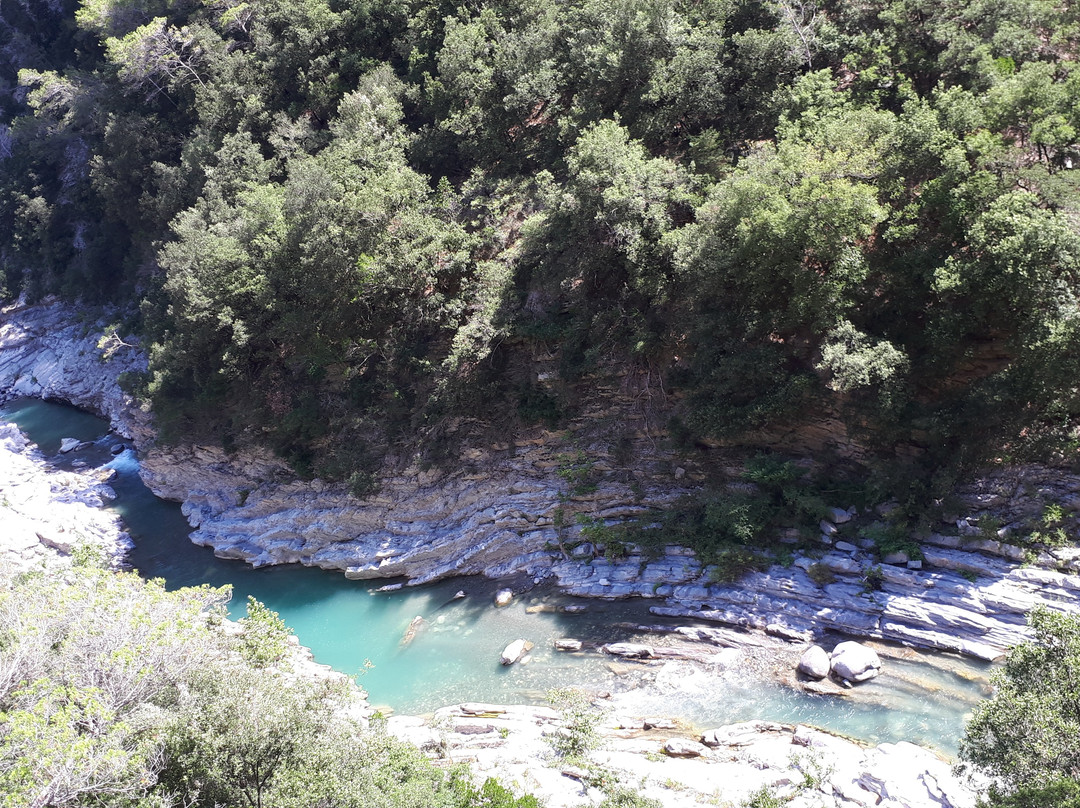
(360, 232)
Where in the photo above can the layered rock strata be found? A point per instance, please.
(964, 599)
(510, 509)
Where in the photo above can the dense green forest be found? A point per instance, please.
(348, 228)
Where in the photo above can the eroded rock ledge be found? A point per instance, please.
(498, 515)
(722, 766)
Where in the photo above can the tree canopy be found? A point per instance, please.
(1027, 735)
(363, 225)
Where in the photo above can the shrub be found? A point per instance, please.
(821, 575)
(580, 719)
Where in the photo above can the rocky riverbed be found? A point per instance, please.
(804, 767)
(47, 514)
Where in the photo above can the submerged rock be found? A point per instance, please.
(410, 633)
(515, 651)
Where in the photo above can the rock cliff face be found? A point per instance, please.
(493, 515)
(506, 510)
(47, 352)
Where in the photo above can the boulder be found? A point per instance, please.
(515, 651)
(567, 644)
(828, 528)
(628, 650)
(855, 662)
(69, 445)
(839, 516)
(118, 448)
(680, 747)
(898, 557)
(503, 597)
(815, 662)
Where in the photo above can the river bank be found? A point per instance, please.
(496, 516)
(653, 754)
(48, 513)
(419, 648)
(798, 766)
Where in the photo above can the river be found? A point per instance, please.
(454, 655)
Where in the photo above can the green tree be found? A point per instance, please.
(1027, 735)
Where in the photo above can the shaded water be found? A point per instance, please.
(454, 655)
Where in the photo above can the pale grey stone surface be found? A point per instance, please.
(815, 662)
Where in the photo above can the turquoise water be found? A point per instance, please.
(454, 655)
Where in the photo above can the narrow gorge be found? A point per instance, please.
(968, 595)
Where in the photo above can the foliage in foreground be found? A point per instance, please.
(1027, 736)
(116, 693)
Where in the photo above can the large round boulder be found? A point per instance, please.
(855, 662)
(815, 662)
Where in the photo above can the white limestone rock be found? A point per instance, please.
(628, 650)
(814, 662)
(515, 651)
(682, 748)
(854, 662)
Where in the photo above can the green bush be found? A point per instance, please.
(1025, 736)
(578, 735)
